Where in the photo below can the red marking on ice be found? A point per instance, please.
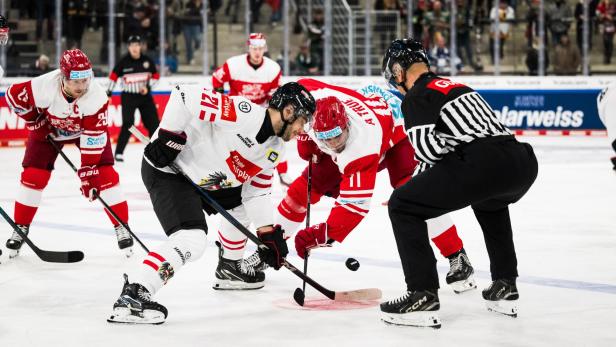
(324, 304)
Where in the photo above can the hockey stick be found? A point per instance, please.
(96, 195)
(298, 295)
(48, 256)
(360, 294)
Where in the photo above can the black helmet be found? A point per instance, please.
(295, 94)
(405, 52)
(134, 38)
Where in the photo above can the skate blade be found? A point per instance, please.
(13, 253)
(124, 315)
(128, 252)
(236, 285)
(504, 307)
(463, 286)
(421, 319)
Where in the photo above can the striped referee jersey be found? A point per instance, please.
(440, 115)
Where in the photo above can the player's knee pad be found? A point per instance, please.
(190, 242)
(35, 178)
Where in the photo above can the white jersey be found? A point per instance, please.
(221, 149)
(606, 105)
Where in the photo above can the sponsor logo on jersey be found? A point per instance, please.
(97, 141)
(244, 107)
(241, 167)
(443, 85)
(540, 118)
(248, 142)
(272, 155)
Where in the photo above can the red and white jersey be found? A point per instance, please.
(372, 131)
(222, 150)
(84, 118)
(257, 85)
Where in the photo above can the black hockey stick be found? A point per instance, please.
(97, 196)
(48, 256)
(360, 294)
(300, 295)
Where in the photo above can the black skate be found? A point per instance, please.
(14, 243)
(502, 297)
(460, 275)
(134, 306)
(613, 160)
(255, 262)
(235, 275)
(415, 308)
(125, 241)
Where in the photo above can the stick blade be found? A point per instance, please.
(299, 296)
(360, 294)
(61, 257)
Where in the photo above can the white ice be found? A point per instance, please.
(564, 229)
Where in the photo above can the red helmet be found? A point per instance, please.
(74, 64)
(330, 118)
(256, 40)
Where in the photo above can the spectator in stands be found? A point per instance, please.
(532, 59)
(579, 18)
(464, 25)
(505, 15)
(191, 26)
(419, 13)
(255, 10)
(560, 18)
(437, 20)
(440, 57)
(386, 21)
(174, 23)
(316, 33)
(133, 20)
(41, 65)
(306, 62)
(567, 57)
(75, 18)
(532, 26)
(606, 11)
(44, 11)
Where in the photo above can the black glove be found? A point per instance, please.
(277, 247)
(163, 151)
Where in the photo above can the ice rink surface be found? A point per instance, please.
(564, 229)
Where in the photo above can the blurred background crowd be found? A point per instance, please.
(315, 37)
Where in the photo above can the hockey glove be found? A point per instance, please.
(163, 151)
(90, 182)
(277, 247)
(37, 123)
(311, 237)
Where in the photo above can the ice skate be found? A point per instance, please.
(415, 308)
(255, 262)
(236, 275)
(460, 275)
(125, 241)
(14, 243)
(502, 297)
(134, 306)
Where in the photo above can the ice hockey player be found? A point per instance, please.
(606, 104)
(4, 39)
(466, 158)
(352, 137)
(67, 105)
(255, 77)
(229, 146)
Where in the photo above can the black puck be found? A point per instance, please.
(352, 264)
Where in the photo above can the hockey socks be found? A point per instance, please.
(29, 194)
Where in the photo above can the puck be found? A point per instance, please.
(352, 264)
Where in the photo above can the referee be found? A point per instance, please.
(466, 158)
(139, 75)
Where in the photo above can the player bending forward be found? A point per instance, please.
(66, 105)
(352, 137)
(230, 146)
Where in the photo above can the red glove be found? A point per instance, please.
(311, 237)
(307, 149)
(39, 122)
(90, 181)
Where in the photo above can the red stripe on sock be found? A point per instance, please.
(157, 256)
(228, 241)
(152, 265)
(24, 214)
(121, 210)
(448, 242)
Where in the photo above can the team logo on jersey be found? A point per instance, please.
(272, 155)
(443, 85)
(146, 64)
(244, 107)
(215, 181)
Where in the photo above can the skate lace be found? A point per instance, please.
(15, 236)
(400, 299)
(144, 295)
(245, 269)
(122, 233)
(254, 261)
(455, 264)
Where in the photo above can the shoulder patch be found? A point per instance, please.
(443, 85)
(272, 155)
(244, 106)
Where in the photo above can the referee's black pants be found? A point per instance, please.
(149, 116)
(487, 174)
